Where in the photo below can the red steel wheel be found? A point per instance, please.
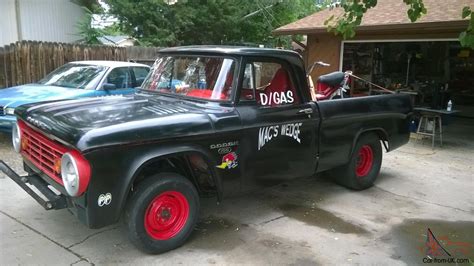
(365, 160)
(166, 215)
(161, 212)
(364, 166)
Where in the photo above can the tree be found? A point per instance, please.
(281, 13)
(113, 30)
(88, 34)
(354, 11)
(184, 22)
(92, 5)
(467, 37)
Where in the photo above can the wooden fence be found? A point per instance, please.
(27, 61)
(144, 55)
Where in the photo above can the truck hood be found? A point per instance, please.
(31, 93)
(96, 122)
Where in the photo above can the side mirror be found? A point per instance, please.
(109, 86)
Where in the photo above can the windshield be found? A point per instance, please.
(75, 76)
(198, 77)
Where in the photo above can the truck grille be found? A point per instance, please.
(42, 151)
(1, 110)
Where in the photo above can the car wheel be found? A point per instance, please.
(162, 212)
(364, 166)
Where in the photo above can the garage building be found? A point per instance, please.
(424, 57)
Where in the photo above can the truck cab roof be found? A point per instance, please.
(287, 55)
(226, 49)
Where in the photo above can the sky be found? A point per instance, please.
(102, 21)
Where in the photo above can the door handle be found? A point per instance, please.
(305, 111)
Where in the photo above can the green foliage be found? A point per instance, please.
(467, 37)
(113, 30)
(354, 10)
(323, 4)
(352, 17)
(153, 22)
(89, 34)
(416, 9)
(92, 5)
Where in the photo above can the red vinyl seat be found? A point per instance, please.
(204, 94)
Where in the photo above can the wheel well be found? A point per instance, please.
(380, 133)
(384, 138)
(191, 165)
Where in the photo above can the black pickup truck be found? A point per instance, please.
(207, 121)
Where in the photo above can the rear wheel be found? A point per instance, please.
(162, 212)
(364, 166)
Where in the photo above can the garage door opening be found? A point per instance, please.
(432, 71)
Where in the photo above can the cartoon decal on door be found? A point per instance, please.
(229, 161)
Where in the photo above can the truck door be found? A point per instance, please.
(279, 128)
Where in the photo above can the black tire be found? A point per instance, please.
(160, 190)
(358, 174)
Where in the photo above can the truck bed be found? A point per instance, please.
(345, 119)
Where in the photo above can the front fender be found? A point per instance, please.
(115, 169)
(155, 155)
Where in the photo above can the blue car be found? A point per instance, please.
(71, 81)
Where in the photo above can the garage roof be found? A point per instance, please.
(388, 14)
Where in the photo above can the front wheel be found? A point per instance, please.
(364, 166)
(162, 213)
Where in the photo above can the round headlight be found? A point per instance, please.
(70, 174)
(16, 137)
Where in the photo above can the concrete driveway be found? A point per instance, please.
(307, 221)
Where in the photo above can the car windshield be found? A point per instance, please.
(77, 76)
(198, 77)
